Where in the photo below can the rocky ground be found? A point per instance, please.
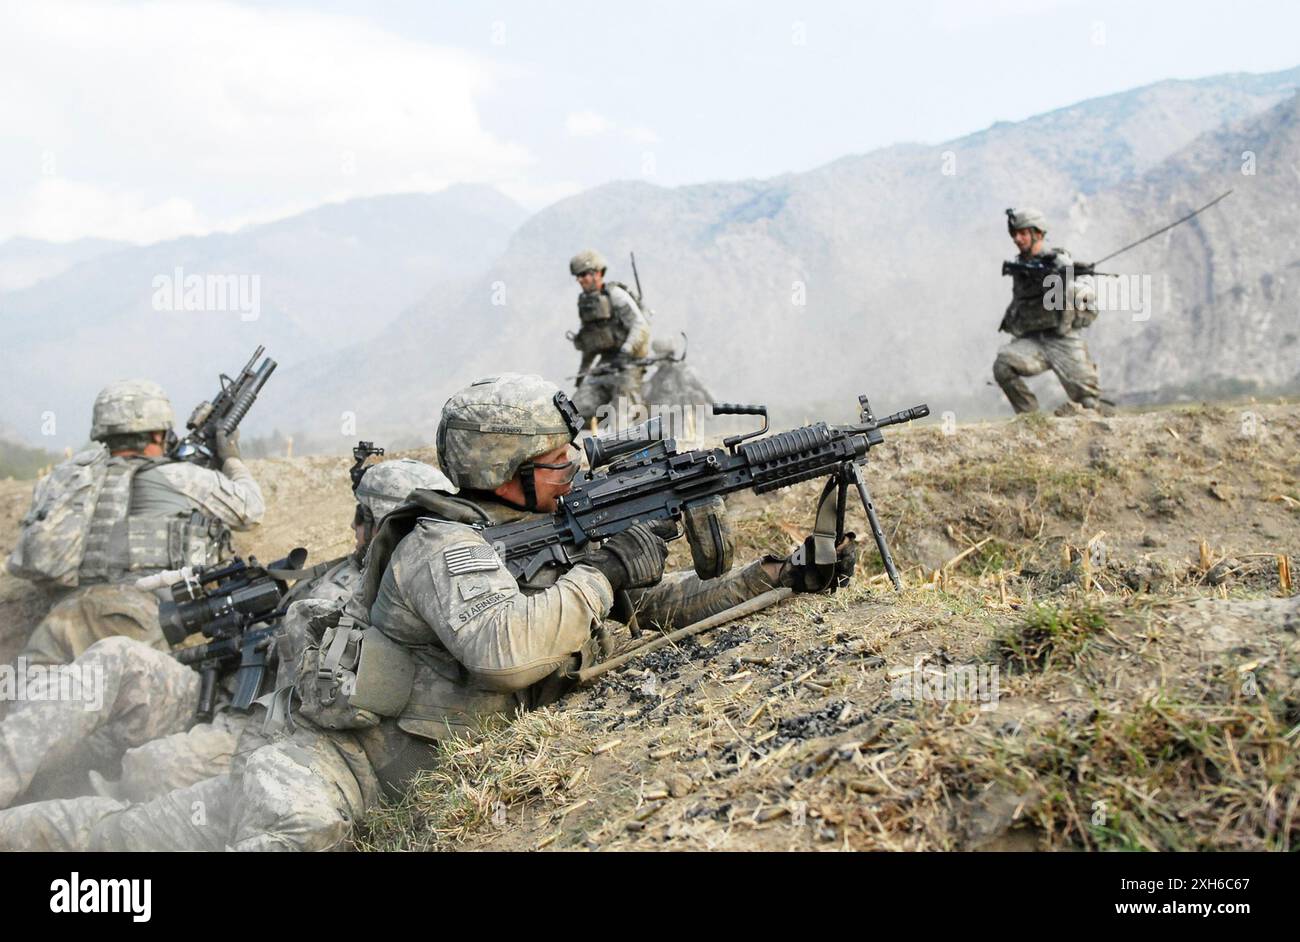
(1096, 647)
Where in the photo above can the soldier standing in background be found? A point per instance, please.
(1047, 310)
(615, 330)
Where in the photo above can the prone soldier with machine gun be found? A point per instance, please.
(639, 477)
(489, 601)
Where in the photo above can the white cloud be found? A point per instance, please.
(641, 135)
(155, 115)
(61, 210)
(957, 15)
(587, 124)
(591, 124)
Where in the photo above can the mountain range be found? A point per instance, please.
(876, 273)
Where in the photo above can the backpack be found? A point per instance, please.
(53, 537)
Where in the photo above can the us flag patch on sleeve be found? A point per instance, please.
(470, 557)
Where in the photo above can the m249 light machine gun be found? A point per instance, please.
(638, 476)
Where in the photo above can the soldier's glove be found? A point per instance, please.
(810, 578)
(634, 558)
(227, 446)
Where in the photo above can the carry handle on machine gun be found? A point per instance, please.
(639, 476)
(224, 413)
(225, 602)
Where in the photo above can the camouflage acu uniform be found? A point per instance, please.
(171, 766)
(614, 336)
(145, 716)
(165, 499)
(1044, 319)
(675, 384)
(487, 647)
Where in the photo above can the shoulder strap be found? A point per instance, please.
(399, 522)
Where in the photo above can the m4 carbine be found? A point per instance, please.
(638, 476)
(226, 603)
(1039, 265)
(619, 364)
(224, 413)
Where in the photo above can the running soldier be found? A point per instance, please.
(1048, 309)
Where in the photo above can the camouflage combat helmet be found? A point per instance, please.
(1026, 219)
(385, 485)
(490, 429)
(587, 260)
(129, 406)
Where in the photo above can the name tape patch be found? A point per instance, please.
(478, 608)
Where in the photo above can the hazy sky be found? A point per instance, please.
(145, 121)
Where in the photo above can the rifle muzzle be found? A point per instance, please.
(907, 415)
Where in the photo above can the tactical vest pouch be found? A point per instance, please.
(353, 676)
(1083, 302)
(709, 533)
(174, 542)
(53, 536)
(594, 308)
(599, 330)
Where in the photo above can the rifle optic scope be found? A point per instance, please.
(603, 449)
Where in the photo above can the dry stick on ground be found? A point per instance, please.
(964, 553)
(756, 604)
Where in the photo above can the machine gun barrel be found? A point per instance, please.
(906, 415)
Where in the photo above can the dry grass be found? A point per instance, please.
(476, 783)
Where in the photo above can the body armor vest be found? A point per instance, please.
(118, 543)
(440, 703)
(1027, 313)
(601, 331)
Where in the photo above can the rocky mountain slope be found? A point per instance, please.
(24, 262)
(876, 272)
(326, 280)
